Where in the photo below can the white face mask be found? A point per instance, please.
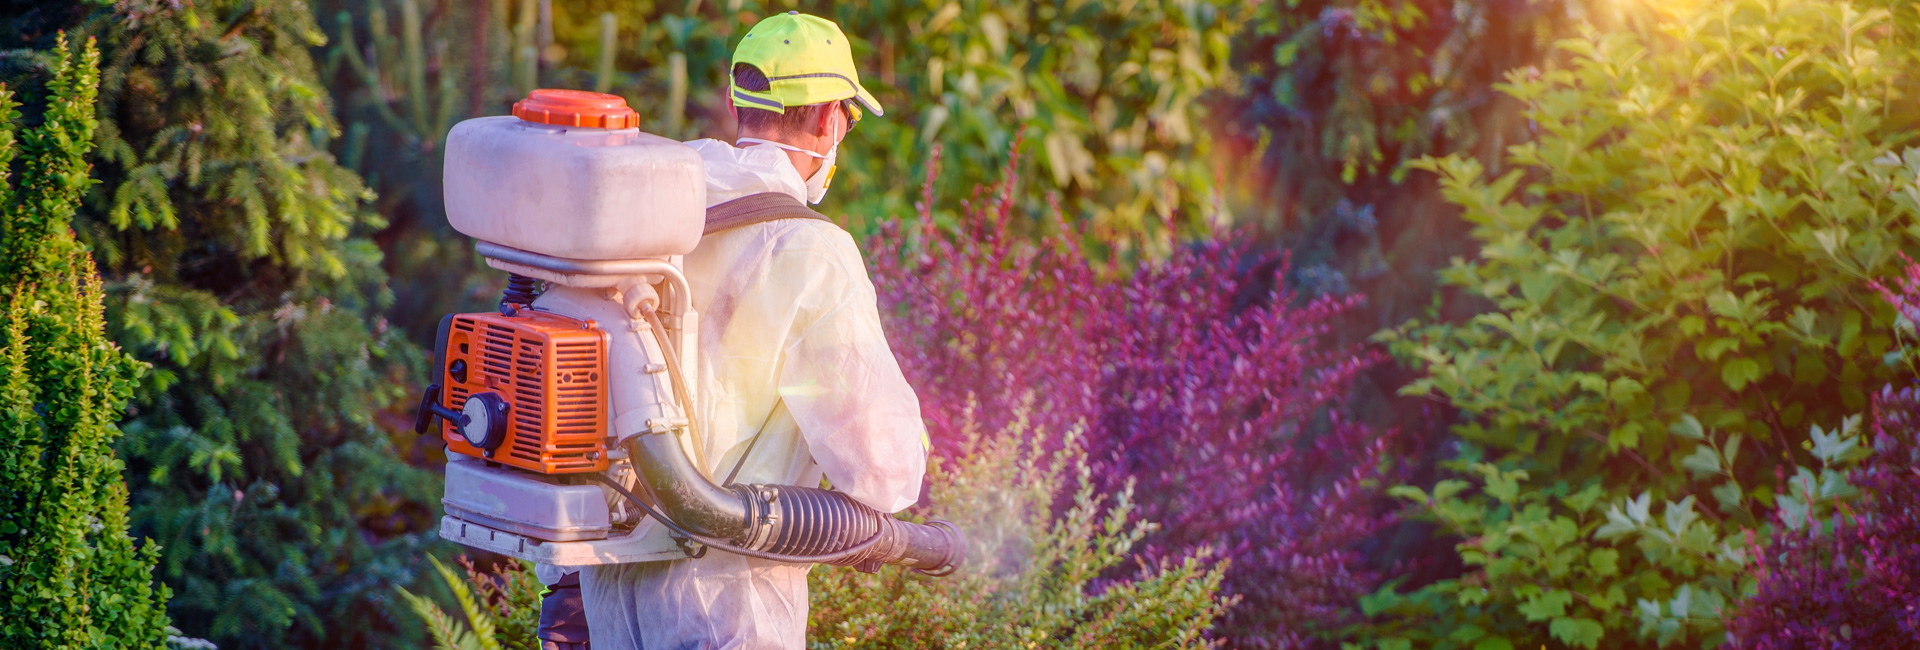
(821, 178)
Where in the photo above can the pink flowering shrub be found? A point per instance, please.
(1904, 295)
(1198, 379)
(1856, 582)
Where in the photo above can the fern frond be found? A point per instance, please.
(482, 622)
(448, 633)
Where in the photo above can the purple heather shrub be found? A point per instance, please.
(1201, 382)
(1855, 583)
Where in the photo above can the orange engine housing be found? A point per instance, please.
(551, 371)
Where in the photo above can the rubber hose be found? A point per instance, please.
(813, 521)
(725, 545)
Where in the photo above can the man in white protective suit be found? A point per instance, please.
(796, 379)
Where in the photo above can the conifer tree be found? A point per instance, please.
(70, 577)
(237, 264)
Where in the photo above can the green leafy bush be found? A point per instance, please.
(1678, 267)
(1033, 579)
(70, 577)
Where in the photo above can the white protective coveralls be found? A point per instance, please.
(790, 337)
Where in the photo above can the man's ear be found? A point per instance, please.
(823, 120)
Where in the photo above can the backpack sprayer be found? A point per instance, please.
(568, 414)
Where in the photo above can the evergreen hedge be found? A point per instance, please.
(70, 577)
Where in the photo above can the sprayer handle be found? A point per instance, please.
(429, 407)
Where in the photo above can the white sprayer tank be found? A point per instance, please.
(571, 176)
(568, 190)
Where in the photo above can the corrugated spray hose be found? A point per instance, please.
(785, 523)
(806, 525)
(817, 521)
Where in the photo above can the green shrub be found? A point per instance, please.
(70, 577)
(1032, 579)
(1678, 269)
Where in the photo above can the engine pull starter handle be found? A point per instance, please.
(430, 407)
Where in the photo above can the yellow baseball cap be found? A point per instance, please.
(807, 60)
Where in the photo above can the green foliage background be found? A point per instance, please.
(1335, 97)
(1108, 94)
(70, 576)
(1683, 334)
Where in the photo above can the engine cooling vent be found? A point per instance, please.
(550, 370)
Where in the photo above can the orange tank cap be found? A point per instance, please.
(577, 108)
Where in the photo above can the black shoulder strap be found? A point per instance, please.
(757, 208)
